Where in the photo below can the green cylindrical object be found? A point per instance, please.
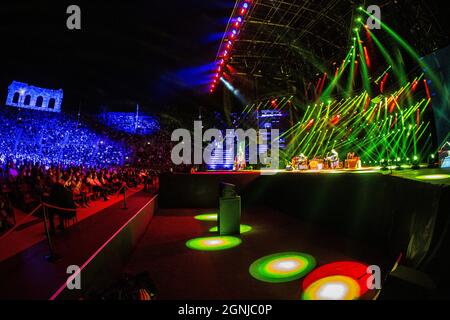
(229, 215)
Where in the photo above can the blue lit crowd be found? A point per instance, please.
(51, 138)
(41, 149)
(130, 122)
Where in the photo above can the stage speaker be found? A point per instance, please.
(229, 210)
(227, 190)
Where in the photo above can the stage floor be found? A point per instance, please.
(433, 176)
(181, 273)
(30, 230)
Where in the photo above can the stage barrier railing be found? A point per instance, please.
(19, 223)
(53, 256)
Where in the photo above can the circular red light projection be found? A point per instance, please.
(348, 274)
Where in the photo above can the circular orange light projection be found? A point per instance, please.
(333, 288)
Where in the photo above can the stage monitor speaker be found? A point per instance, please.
(227, 190)
(229, 210)
(406, 283)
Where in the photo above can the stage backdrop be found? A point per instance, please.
(440, 65)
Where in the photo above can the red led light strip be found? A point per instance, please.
(237, 19)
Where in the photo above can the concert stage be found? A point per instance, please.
(429, 175)
(367, 217)
(390, 214)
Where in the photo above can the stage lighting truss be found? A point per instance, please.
(235, 24)
(287, 42)
(262, 38)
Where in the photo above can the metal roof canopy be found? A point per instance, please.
(281, 39)
(284, 43)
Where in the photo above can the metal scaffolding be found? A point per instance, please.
(284, 45)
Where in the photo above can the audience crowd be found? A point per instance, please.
(41, 150)
(130, 122)
(47, 137)
(69, 187)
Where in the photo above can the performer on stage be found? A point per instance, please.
(239, 163)
(302, 162)
(352, 161)
(294, 163)
(333, 159)
(348, 160)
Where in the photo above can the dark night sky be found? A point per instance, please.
(150, 52)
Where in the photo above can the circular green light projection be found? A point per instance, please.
(243, 228)
(331, 171)
(207, 217)
(363, 171)
(213, 243)
(434, 177)
(282, 267)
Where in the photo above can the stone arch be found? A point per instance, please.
(51, 103)
(27, 100)
(16, 97)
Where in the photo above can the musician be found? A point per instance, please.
(350, 156)
(333, 159)
(236, 164)
(302, 162)
(243, 163)
(239, 163)
(295, 162)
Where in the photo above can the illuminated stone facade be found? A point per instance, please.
(22, 95)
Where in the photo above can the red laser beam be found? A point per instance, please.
(322, 84)
(366, 55)
(383, 82)
(393, 104)
(427, 89)
(414, 86)
(367, 104)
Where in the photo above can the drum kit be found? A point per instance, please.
(299, 163)
(316, 164)
(313, 164)
(331, 161)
